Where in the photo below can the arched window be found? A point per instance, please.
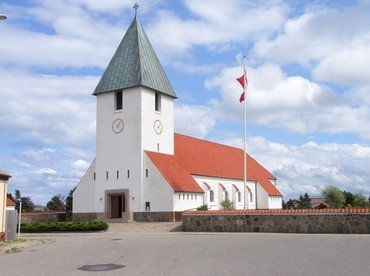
(226, 195)
(239, 196)
(250, 196)
(211, 196)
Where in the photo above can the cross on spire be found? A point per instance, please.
(135, 7)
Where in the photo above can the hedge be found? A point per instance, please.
(69, 226)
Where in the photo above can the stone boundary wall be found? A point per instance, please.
(154, 216)
(349, 221)
(84, 216)
(43, 217)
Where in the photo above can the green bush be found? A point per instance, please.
(334, 197)
(204, 207)
(227, 204)
(69, 226)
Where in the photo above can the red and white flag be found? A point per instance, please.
(244, 83)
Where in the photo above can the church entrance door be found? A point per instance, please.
(117, 205)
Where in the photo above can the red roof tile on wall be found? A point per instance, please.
(199, 157)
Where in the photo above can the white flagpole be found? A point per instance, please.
(245, 136)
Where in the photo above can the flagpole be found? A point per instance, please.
(245, 136)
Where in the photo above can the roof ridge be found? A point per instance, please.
(213, 142)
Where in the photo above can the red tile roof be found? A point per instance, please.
(200, 157)
(175, 174)
(10, 202)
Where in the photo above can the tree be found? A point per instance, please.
(27, 203)
(56, 203)
(292, 204)
(348, 199)
(304, 202)
(359, 201)
(227, 204)
(334, 197)
(69, 203)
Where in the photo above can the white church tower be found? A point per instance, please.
(134, 114)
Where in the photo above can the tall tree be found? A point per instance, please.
(359, 201)
(334, 197)
(348, 199)
(69, 203)
(304, 202)
(56, 203)
(27, 203)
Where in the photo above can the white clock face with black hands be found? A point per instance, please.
(118, 126)
(158, 128)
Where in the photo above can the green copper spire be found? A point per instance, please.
(134, 64)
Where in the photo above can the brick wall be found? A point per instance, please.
(43, 217)
(351, 221)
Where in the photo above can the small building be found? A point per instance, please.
(142, 165)
(4, 177)
(10, 204)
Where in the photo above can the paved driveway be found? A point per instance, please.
(180, 253)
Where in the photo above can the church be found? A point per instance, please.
(142, 167)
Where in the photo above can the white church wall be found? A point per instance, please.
(156, 190)
(275, 202)
(187, 201)
(85, 192)
(214, 182)
(262, 198)
(119, 152)
(150, 138)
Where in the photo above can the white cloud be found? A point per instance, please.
(46, 171)
(80, 165)
(193, 120)
(312, 166)
(333, 42)
(49, 108)
(289, 102)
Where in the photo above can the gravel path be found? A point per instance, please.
(145, 227)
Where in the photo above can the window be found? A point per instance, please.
(183, 196)
(146, 173)
(239, 196)
(195, 197)
(119, 100)
(147, 206)
(187, 196)
(211, 196)
(251, 197)
(128, 173)
(117, 174)
(94, 176)
(191, 196)
(158, 102)
(226, 195)
(157, 146)
(106, 174)
(179, 197)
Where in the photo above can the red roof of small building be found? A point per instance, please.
(10, 202)
(194, 156)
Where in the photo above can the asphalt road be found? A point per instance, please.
(194, 254)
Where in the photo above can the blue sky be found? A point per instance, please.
(308, 94)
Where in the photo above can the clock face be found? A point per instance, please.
(118, 126)
(158, 128)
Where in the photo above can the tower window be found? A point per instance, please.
(119, 100)
(106, 174)
(158, 102)
(94, 176)
(117, 174)
(157, 146)
(128, 173)
(146, 173)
